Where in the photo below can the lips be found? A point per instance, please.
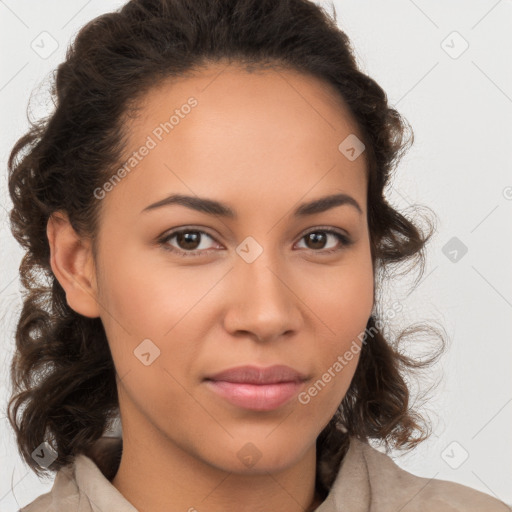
(257, 389)
(258, 376)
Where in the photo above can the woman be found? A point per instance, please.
(206, 203)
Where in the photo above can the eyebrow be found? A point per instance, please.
(212, 207)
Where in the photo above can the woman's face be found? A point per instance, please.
(258, 291)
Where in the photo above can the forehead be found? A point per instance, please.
(247, 132)
(220, 88)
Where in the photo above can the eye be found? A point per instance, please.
(319, 236)
(189, 241)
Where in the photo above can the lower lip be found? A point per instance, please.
(257, 397)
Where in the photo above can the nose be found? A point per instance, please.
(264, 303)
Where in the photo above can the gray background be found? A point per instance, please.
(460, 106)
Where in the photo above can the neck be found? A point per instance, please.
(163, 477)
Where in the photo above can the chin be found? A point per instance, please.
(260, 454)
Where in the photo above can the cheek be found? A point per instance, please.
(144, 299)
(147, 322)
(343, 301)
(151, 315)
(342, 315)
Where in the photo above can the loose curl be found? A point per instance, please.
(62, 371)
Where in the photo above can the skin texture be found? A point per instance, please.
(262, 142)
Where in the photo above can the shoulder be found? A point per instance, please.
(391, 484)
(63, 493)
(443, 495)
(85, 482)
(40, 504)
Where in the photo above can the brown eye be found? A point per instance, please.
(187, 240)
(316, 240)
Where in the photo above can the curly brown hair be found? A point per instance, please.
(62, 372)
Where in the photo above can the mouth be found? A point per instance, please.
(258, 389)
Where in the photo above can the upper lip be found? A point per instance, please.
(258, 375)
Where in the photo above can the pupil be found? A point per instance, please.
(188, 239)
(315, 237)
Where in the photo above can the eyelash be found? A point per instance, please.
(163, 242)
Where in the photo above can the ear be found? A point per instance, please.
(72, 263)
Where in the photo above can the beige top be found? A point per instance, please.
(368, 481)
